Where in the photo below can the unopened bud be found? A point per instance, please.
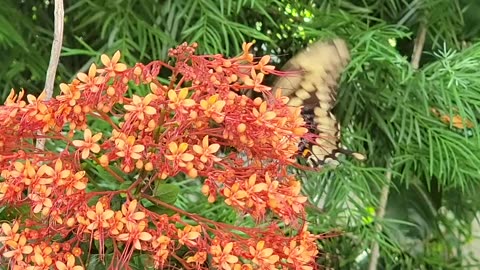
(241, 127)
(103, 160)
(227, 63)
(139, 164)
(137, 71)
(148, 167)
(110, 91)
(205, 190)
(192, 173)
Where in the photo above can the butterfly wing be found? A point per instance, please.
(315, 88)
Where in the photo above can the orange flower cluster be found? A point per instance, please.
(201, 124)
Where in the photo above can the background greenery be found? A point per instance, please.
(429, 168)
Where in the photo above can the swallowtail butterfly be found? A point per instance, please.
(315, 88)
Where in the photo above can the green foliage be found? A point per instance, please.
(384, 105)
(24, 57)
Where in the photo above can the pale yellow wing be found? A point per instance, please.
(315, 88)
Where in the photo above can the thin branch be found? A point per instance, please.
(54, 57)
(56, 48)
(375, 252)
(379, 216)
(418, 47)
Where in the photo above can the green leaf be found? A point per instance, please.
(96, 262)
(12, 213)
(141, 261)
(166, 193)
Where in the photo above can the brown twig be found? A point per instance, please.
(382, 204)
(418, 46)
(54, 57)
(56, 48)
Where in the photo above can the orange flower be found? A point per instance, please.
(75, 182)
(10, 233)
(207, 151)
(263, 257)
(235, 195)
(70, 94)
(222, 257)
(178, 154)
(44, 175)
(263, 114)
(188, 234)
(76, 251)
(272, 189)
(213, 108)
(139, 106)
(160, 244)
(299, 255)
(111, 65)
(130, 217)
(116, 224)
(254, 187)
(25, 171)
(99, 217)
(88, 144)
(42, 257)
(39, 110)
(18, 249)
(180, 100)
(60, 174)
(161, 241)
(199, 258)
(160, 257)
(40, 199)
(128, 149)
(14, 100)
(91, 82)
(161, 134)
(262, 65)
(246, 52)
(70, 264)
(255, 80)
(136, 234)
(4, 188)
